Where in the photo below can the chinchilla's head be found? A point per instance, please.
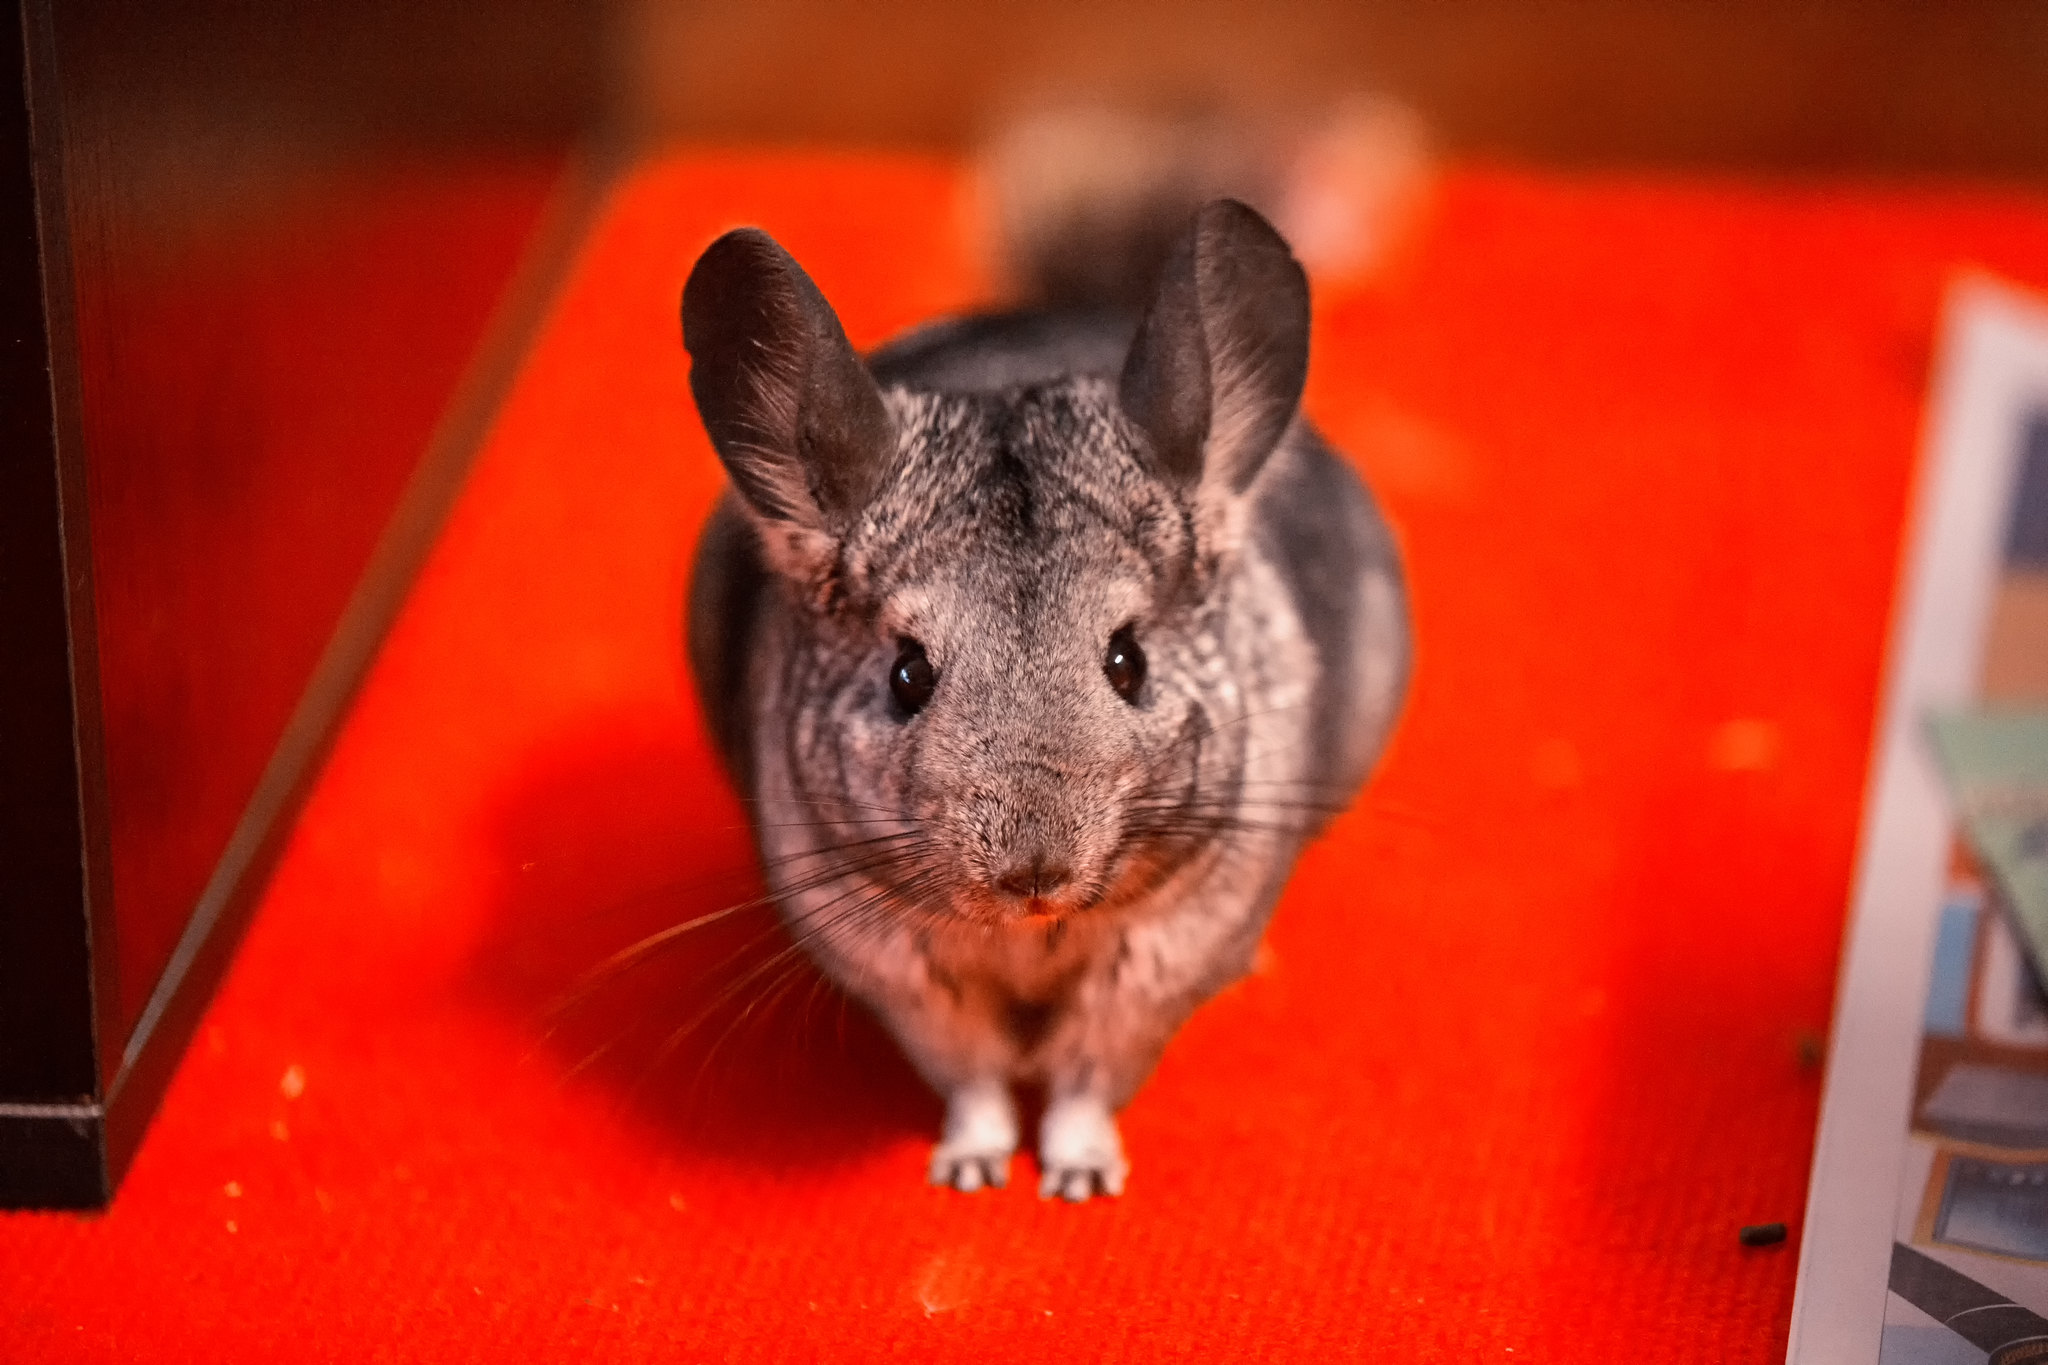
(1008, 606)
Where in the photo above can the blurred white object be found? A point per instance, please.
(1079, 199)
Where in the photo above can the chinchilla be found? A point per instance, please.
(1041, 643)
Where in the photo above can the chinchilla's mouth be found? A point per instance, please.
(1040, 907)
(1050, 909)
(1141, 866)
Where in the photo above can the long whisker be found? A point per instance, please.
(861, 913)
(838, 802)
(880, 853)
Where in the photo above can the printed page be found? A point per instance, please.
(1927, 1226)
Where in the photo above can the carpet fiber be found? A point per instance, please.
(1534, 1032)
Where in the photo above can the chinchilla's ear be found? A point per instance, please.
(794, 415)
(1215, 371)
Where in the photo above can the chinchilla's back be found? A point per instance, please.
(995, 351)
(1322, 527)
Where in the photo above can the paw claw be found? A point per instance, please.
(969, 1171)
(1078, 1184)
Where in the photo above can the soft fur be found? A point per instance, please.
(1009, 491)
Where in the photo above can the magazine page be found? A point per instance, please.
(1927, 1224)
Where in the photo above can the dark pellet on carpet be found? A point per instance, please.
(1811, 1049)
(1762, 1234)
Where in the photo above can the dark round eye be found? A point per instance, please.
(1124, 665)
(911, 678)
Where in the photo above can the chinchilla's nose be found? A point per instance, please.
(1034, 878)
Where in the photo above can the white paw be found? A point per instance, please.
(1079, 1152)
(969, 1170)
(981, 1135)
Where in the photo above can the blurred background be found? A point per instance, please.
(287, 252)
(1886, 87)
(1872, 87)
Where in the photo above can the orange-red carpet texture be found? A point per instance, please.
(1527, 1045)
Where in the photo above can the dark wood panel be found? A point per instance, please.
(46, 1024)
(276, 244)
(254, 403)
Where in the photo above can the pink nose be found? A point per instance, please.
(1036, 879)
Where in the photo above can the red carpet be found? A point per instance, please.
(1526, 1051)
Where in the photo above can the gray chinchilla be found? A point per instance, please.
(1041, 642)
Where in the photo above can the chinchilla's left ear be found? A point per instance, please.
(1215, 372)
(795, 417)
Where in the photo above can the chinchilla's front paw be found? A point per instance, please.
(981, 1135)
(969, 1170)
(1079, 1152)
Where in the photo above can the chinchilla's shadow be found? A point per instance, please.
(718, 1036)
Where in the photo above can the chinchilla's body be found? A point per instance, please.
(1041, 644)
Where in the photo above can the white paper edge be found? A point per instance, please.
(1992, 367)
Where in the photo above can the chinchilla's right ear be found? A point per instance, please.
(795, 417)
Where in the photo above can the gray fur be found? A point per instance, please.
(1020, 514)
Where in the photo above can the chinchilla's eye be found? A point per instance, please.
(1124, 665)
(911, 678)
